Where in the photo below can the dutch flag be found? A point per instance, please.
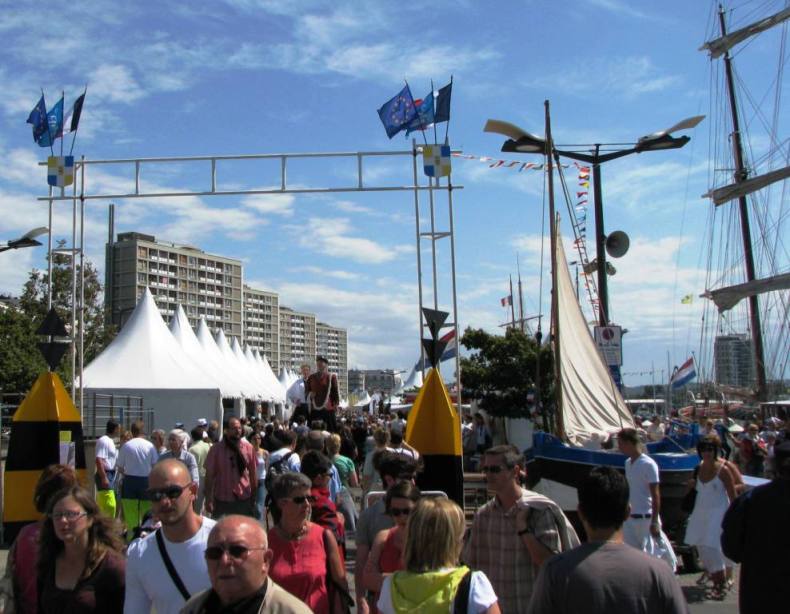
(683, 374)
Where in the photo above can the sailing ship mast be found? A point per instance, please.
(743, 185)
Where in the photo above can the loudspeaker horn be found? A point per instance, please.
(617, 244)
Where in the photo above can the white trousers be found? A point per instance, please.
(636, 533)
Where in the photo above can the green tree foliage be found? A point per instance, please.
(20, 360)
(500, 372)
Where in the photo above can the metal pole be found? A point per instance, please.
(433, 246)
(49, 255)
(419, 254)
(600, 240)
(82, 285)
(73, 291)
(455, 296)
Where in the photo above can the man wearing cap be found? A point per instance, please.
(323, 394)
(753, 535)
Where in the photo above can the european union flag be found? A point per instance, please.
(55, 121)
(38, 117)
(398, 112)
(424, 115)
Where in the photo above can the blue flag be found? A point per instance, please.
(38, 117)
(55, 120)
(398, 112)
(442, 113)
(424, 115)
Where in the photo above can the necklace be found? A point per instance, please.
(300, 533)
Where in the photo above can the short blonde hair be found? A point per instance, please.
(333, 444)
(434, 535)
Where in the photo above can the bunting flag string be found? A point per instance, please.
(499, 163)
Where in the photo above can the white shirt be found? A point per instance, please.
(296, 394)
(481, 595)
(105, 449)
(291, 464)
(137, 456)
(640, 474)
(148, 584)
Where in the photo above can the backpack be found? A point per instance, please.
(276, 468)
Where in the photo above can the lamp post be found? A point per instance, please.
(520, 141)
(26, 240)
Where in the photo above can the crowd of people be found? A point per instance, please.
(254, 515)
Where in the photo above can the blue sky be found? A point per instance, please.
(272, 76)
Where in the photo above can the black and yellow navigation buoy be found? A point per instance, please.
(434, 426)
(46, 429)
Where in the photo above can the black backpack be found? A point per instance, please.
(276, 468)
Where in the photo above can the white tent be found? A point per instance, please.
(236, 358)
(251, 388)
(271, 377)
(293, 377)
(414, 380)
(284, 380)
(215, 358)
(146, 360)
(276, 392)
(364, 400)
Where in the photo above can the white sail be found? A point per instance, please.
(727, 298)
(742, 188)
(723, 44)
(591, 402)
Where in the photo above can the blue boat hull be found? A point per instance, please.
(551, 459)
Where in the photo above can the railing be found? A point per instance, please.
(124, 409)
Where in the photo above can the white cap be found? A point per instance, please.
(202, 422)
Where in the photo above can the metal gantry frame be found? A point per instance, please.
(433, 235)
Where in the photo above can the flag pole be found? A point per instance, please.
(49, 132)
(74, 138)
(512, 308)
(422, 128)
(435, 141)
(63, 98)
(449, 103)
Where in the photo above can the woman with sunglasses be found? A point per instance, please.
(715, 489)
(305, 554)
(81, 567)
(386, 552)
(432, 582)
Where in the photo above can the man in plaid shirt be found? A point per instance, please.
(514, 532)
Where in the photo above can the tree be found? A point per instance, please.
(500, 373)
(22, 356)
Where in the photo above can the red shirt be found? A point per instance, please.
(230, 484)
(300, 567)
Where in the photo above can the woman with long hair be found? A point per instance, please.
(81, 567)
(20, 583)
(256, 439)
(386, 552)
(305, 555)
(715, 489)
(432, 582)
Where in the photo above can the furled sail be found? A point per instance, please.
(727, 298)
(591, 402)
(742, 188)
(721, 45)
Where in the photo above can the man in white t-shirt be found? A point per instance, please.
(106, 456)
(135, 460)
(183, 535)
(642, 529)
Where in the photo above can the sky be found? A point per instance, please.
(273, 76)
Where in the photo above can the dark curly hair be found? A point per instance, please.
(103, 534)
(53, 479)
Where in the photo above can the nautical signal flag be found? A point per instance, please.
(398, 112)
(507, 300)
(683, 374)
(686, 300)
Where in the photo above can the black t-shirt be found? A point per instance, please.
(102, 591)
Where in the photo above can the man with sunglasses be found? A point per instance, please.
(231, 473)
(167, 567)
(238, 559)
(515, 532)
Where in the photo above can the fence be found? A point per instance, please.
(124, 409)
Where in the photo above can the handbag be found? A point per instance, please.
(340, 600)
(688, 501)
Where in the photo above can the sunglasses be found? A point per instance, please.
(301, 499)
(492, 468)
(707, 448)
(236, 552)
(400, 511)
(171, 492)
(70, 515)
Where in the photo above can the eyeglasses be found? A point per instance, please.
(235, 551)
(301, 499)
(171, 492)
(492, 468)
(400, 511)
(70, 515)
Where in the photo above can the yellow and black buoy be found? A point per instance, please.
(46, 429)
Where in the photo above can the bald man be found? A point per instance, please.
(167, 567)
(238, 558)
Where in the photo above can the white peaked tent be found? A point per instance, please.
(276, 392)
(246, 369)
(414, 380)
(399, 387)
(292, 377)
(212, 354)
(251, 387)
(284, 380)
(364, 400)
(271, 377)
(146, 360)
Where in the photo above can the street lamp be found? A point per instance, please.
(521, 141)
(26, 240)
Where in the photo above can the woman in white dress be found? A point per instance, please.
(715, 489)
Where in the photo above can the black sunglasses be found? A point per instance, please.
(239, 553)
(301, 499)
(405, 511)
(492, 468)
(171, 492)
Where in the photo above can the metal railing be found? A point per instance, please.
(124, 409)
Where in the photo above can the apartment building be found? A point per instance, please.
(332, 343)
(733, 359)
(297, 338)
(262, 323)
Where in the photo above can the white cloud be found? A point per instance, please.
(114, 82)
(274, 204)
(332, 237)
(324, 273)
